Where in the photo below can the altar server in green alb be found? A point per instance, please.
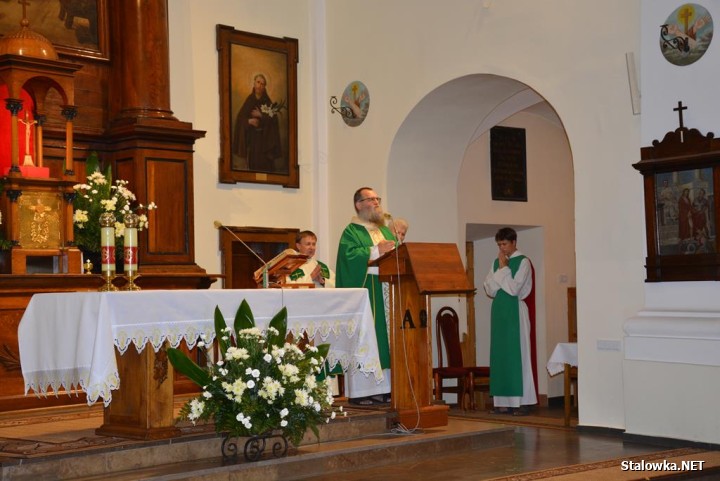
(313, 271)
(510, 283)
(366, 238)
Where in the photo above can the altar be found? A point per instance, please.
(83, 339)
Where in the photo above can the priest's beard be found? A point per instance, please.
(374, 216)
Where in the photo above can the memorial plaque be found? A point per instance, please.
(508, 171)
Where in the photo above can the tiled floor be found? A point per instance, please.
(543, 443)
(535, 448)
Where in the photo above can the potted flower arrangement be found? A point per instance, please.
(99, 195)
(259, 385)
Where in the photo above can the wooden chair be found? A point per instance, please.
(469, 378)
(571, 372)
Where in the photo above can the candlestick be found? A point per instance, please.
(107, 250)
(130, 250)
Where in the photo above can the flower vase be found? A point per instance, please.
(255, 446)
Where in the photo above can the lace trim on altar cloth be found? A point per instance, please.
(156, 337)
(351, 365)
(44, 383)
(341, 334)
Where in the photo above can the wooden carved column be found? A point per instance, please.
(148, 146)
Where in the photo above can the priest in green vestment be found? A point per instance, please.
(366, 238)
(509, 283)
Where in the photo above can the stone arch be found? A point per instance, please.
(430, 159)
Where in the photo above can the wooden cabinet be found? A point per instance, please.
(238, 261)
(681, 177)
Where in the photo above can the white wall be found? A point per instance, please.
(194, 98)
(403, 50)
(670, 344)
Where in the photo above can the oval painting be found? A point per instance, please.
(686, 34)
(356, 98)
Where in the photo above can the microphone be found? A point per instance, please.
(265, 282)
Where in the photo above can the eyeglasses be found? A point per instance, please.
(371, 199)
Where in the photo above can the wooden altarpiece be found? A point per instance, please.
(416, 271)
(125, 116)
(36, 202)
(681, 177)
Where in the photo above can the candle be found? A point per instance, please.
(107, 243)
(130, 250)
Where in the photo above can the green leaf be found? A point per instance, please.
(323, 350)
(92, 163)
(220, 332)
(279, 322)
(244, 317)
(186, 366)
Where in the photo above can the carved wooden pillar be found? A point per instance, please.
(149, 147)
(14, 106)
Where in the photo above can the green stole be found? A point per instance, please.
(505, 356)
(351, 271)
(299, 273)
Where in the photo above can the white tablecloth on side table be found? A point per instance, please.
(564, 353)
(69, 339)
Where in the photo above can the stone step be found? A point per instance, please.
(360, 440)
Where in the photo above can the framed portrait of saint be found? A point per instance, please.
(258, 108)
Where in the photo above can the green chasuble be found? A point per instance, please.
(505, 357)
(351, 271)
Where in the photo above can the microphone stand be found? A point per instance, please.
(265, 274)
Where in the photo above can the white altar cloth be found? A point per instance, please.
(564, 353)
(69, 339)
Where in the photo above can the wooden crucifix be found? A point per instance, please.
(679, 109)
(24, 4)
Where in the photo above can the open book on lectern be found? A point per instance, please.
(280, 266)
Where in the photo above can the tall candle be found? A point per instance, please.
(130, 250)
(107, 243)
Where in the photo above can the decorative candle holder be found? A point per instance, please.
(107, 250)
(130, 251)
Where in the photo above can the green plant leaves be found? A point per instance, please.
(186, 366)
(279, 322)
(244, 317)
(221, 333)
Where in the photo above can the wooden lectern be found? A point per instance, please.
(279, 267)
(416, 271)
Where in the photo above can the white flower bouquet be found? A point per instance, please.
(260, 383)
(97, 196)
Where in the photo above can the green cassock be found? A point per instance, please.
(505, 356)
(351, 271)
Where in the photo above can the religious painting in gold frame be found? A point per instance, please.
(75, 27)
(258, 108)
(685, 210)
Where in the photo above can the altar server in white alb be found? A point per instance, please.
(510, 283)
(313, 271)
